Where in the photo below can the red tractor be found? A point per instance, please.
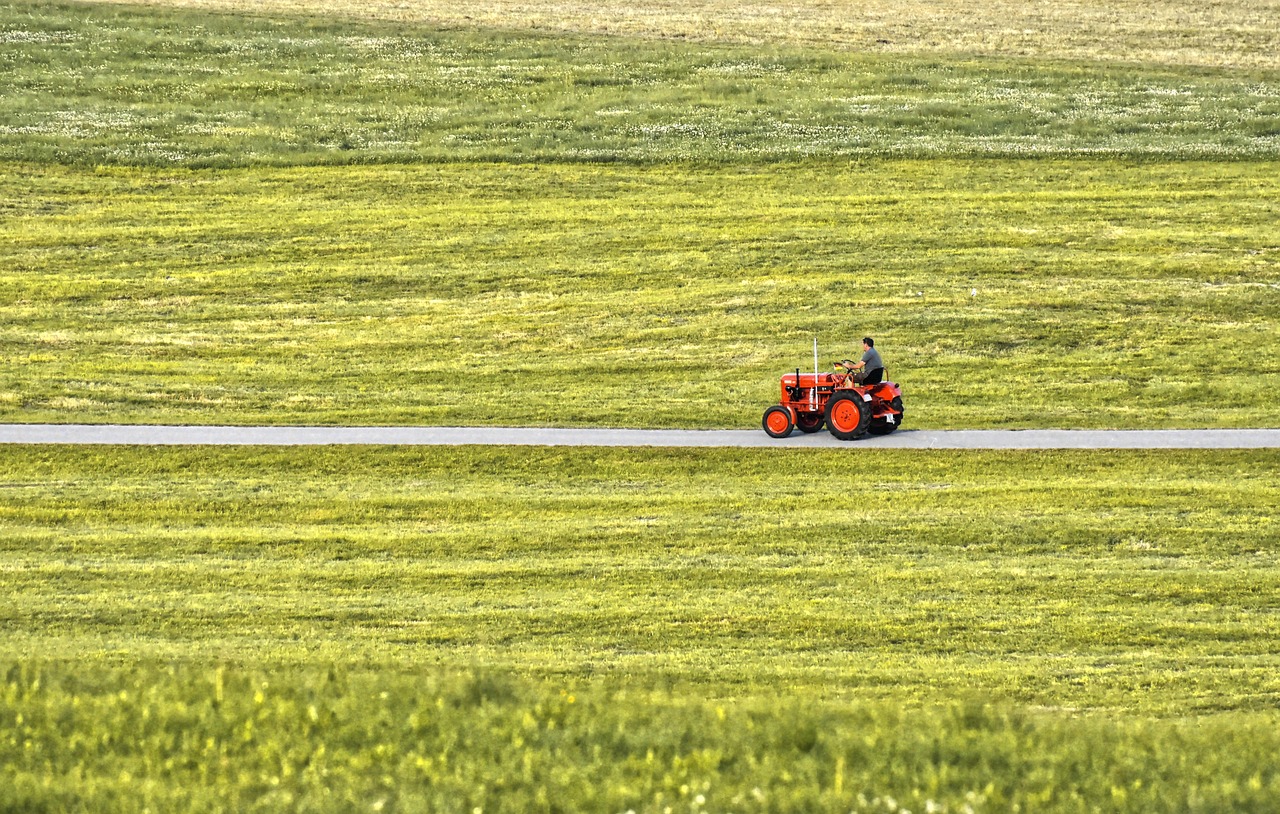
(850, 410)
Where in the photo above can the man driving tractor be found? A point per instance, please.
(810, 401)
(868, 370)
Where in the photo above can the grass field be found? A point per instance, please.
(325, 739)
(970, 603)
(88, 84)
(641, 297)
(744, 207)
(315, 211)
(1228, 33)
(958, 570)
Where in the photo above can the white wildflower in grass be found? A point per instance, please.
(750, 69)
(24, 37)
(673, 128)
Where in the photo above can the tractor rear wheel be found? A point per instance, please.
(809, 422)
(777, 421)
(848, 416)
(882, 426)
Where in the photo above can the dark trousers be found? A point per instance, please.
(873, 376)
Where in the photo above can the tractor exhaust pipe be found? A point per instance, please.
(813, 393)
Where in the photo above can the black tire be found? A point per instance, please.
(810, 422)
(777, 426)
(881, 426)
(847, 416)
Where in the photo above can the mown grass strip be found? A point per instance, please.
(1140, 582)
(87, 84)
(1231, 33)
(1017, 294)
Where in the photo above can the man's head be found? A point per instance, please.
(868, 343)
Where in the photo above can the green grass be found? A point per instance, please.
(506, 275)
(319, 739)
(88, 84)
(1118, 293)
(1227, 34)
(1133, 581)
(218, 219)
(318, 628)
(1109, 294)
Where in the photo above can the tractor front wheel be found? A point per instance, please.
(809, 422)
(777, 421)
(848, 416)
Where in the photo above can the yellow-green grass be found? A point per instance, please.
(671, 292)
(1135, 582)
(593, 629)
(91, 83)
(325, 738)
(541, 630)
(1227, 33)
(1002, 293)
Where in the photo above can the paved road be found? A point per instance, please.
(532, 436)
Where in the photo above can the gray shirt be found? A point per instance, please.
(872, 358)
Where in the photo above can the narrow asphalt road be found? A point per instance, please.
(537, 436)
